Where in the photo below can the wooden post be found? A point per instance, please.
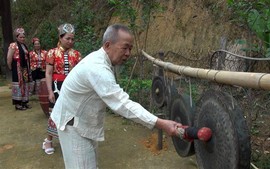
(160, 72)
(160, 139)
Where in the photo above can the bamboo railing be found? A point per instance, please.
(244, 79)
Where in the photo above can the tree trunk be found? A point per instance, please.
(5, 13)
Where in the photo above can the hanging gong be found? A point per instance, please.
(225, 149)
(240, 125)
(182, 112)
(158, 91)
(171, 94)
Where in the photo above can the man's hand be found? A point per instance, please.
(169, 126)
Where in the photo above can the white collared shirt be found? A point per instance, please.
(86, 92)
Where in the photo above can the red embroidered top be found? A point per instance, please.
(55, 57)
(16, 55)
(38, 60)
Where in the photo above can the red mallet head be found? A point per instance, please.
(204, 134)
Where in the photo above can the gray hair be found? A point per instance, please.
(111, 33)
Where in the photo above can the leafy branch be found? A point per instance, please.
(256, 16)
(138, 15)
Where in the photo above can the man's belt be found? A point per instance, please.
(71, 122)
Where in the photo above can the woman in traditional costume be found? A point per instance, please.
(18, 62)
(60, 62)
(37, 64)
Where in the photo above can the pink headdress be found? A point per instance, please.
(18, 31)
(34, 40)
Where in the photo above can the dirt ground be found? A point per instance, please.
(127, 145)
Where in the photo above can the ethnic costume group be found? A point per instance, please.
(28, 68)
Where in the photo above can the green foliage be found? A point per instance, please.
(48, 35)
(195, 93)
(86, 38)
(261, 161)
(138, 89)
(148, 8)
(138, 17)
(87, 41)
(125, 10)
(135, 86)
(3, 81)
(256, 16)
(215, 7)
(259, 22)
(128, 12)
(28, 13)
(125, 69)
(189, 87)
(254, 130)
(39, 21)
(252, 47)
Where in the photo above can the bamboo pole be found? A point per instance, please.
(244, 79)
(254, 166)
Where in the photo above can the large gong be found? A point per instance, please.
(182, 112)
(158, 91)
(171, 94)
(229, 146)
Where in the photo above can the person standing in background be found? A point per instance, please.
(18, 62)
(37, 64)
(60, 61)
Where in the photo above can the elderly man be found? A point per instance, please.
(87, 91)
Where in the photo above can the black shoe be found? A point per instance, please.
(27, 106)
(19, 107)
